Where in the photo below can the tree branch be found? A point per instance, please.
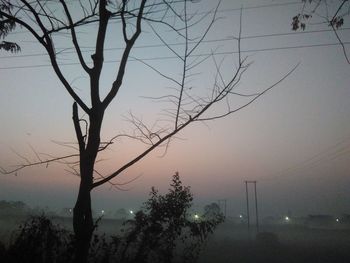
(22, 166)
(141, 156)
(248, 103)
(77, 128)
(48, 45)
(122, 66)
(74, 37)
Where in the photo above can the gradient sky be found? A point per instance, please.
(295, 140)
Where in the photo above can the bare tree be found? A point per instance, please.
(330, 13)
(46, 19)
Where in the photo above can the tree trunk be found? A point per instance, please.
(83, 224)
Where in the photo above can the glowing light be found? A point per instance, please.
(287, 218)
(196, 216)
(337, 220)
(131, 212)
(240, 216)
(102, 211)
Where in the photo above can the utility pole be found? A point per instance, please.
(247, 197)
(256, 204)
(224, 201)
(256, 208)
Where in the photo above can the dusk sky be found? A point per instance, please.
(294, 140)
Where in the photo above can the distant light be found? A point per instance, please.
(240, 216)
(70, 210)
(102, 211)
(196, 216)
(287, 218)
(131, 212)
(337, 220)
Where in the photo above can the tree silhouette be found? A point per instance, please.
(46, 20)
(164, 224)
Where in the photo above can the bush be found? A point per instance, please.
(164, 226)
(40, 241)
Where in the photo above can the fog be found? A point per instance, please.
(312, 238)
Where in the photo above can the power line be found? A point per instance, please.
(180, 44)
(261, 6)
(308, 165)
(329, 154)
(220, 11)
(199, 55)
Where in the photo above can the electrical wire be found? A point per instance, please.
(331, 153)
(90, 49)
(175, 57)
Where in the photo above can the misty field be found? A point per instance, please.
(231, 241)
(281, 243)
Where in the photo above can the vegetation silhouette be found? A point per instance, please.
(163, 231)
(165, 225)
(39, 240)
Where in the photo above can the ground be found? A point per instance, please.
(232, 242)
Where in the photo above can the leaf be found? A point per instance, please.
(6, 26)
(295, 23)
(339, 23)
(10, 46)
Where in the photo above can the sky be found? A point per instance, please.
(294, 141)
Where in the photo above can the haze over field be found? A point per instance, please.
(294, 140)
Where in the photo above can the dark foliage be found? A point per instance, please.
(310, 8)
(164, 227)
(103, 249)
(3, 253)
(39, 241)
(6, 26)
(10, 46)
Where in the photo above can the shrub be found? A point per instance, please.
(40, 241)
(164, 226)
